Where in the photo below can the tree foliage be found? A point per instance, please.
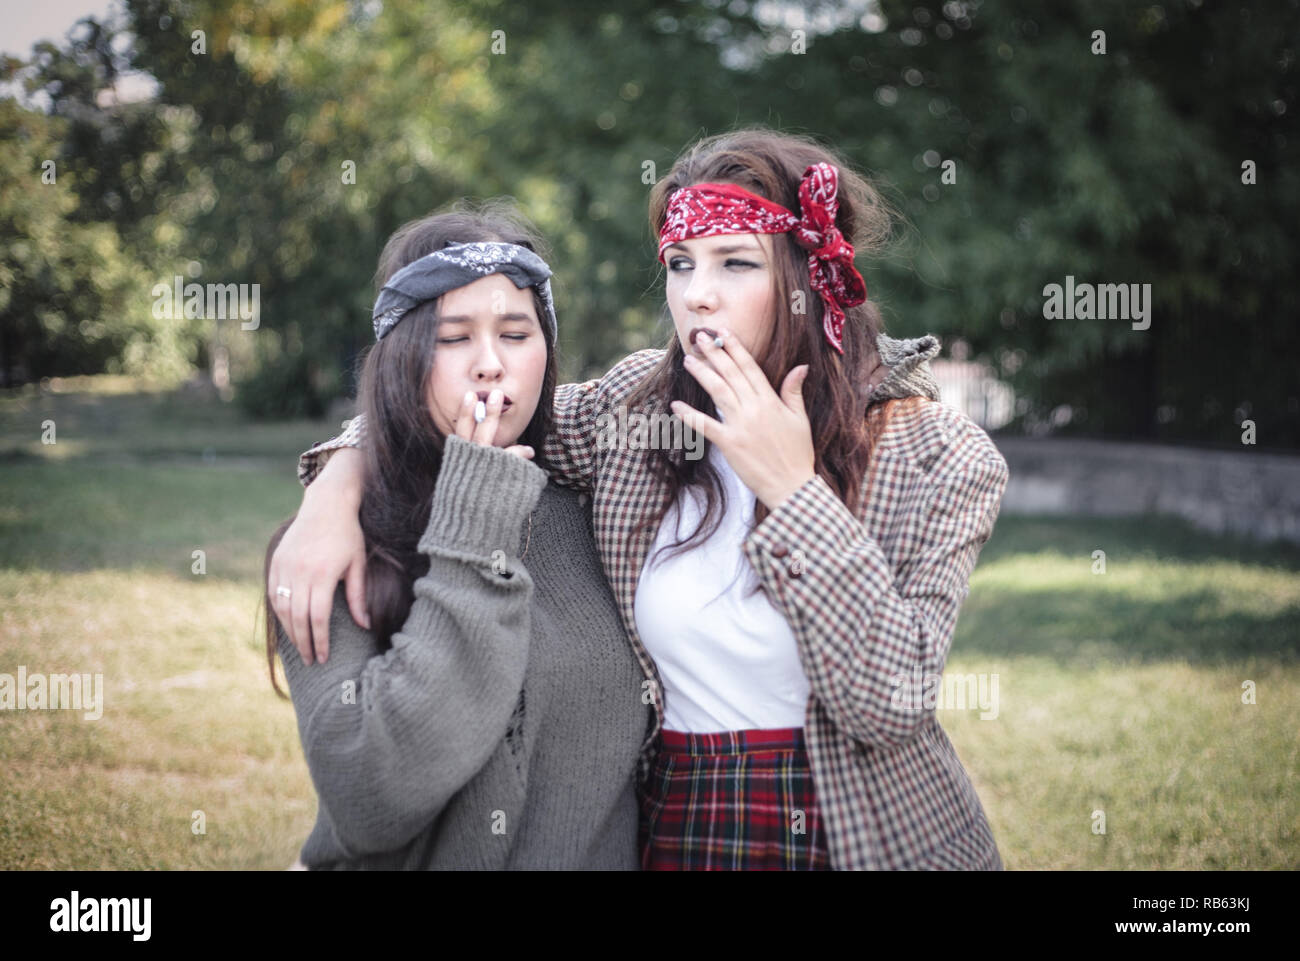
(1018, 152)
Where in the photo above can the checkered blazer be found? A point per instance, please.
(871, 593)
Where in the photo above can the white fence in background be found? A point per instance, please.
(975, 391)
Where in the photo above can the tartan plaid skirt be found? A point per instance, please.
(732, 801)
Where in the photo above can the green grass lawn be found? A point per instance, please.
(1118, 692)
(97, 534)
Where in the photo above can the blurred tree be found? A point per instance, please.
(1115, 167)
(67, 287)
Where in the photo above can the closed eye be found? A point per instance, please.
(458, 340)
(677, 264)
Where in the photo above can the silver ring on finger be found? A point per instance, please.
(283, 591)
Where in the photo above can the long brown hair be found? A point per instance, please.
(844, 431)
(403, 449)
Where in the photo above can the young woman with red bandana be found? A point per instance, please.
(790, 594)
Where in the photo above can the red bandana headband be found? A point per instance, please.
(706, 210)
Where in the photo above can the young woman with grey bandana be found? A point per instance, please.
(489, 713)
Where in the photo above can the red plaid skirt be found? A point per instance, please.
(732, 801)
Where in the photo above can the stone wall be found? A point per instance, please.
(1246, 491)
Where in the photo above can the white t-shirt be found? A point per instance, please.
(728, 659)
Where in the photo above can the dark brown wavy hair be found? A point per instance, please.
(403, 449)
(771, 164)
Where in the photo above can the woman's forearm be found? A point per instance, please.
(390, 738)
(865, 630)
(339, 481)
(313, 461)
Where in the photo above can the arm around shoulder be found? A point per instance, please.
(571, 447)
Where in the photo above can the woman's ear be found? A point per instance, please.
(875, 371)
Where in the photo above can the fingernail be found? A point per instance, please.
(717, 341)
(480, 412)
(495, 397)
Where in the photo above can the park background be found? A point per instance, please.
(282, 143)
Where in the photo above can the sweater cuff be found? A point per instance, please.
(482, 498)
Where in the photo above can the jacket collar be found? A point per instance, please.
(908, 360)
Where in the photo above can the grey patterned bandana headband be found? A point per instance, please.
(433, 275)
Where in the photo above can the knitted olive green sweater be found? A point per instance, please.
(501, 730)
